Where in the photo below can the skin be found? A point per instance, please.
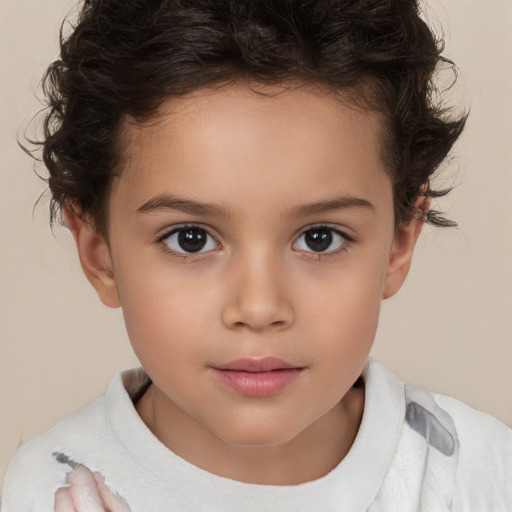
(87, 492)
(258, 290)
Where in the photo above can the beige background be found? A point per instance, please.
(450, 328)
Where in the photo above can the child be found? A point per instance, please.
(247, 180)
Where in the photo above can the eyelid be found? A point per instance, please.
(171, 230)
(326, 225)
(325, 254)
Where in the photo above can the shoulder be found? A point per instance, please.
(484, 473)
(86, 437)
(458, 458)
(482, 437)
(35, 473)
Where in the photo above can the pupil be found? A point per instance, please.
(318, 240)
(192, 240)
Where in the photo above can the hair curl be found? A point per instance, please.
(126, 57)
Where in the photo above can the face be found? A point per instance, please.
(251, 241)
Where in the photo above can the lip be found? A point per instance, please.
(257, 377)
(256, 365)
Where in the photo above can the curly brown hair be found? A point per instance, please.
(124, 58)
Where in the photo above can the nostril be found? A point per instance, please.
(257, 309)
(279, 324)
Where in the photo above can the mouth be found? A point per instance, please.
(257, 377)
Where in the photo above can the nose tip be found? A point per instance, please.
(258, 320)
(258, 303)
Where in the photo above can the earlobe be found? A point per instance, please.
(95, 257)
(403, 248)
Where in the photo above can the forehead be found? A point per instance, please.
(267, 139)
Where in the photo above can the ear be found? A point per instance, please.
(403, 248)
(94, 254)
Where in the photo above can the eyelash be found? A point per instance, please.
(183, 255)
(323, 256)
(317, 256)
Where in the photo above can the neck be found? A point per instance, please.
(308, 456)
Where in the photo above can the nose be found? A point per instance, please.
(258, 296)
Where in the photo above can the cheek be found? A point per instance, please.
(348, 323)
(343, 306)
(167, 314)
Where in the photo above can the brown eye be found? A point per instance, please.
(190, 240)
(320, 239)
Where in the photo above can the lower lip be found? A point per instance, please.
(257, 383)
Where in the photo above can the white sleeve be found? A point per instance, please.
(32, 478)
(484, 474)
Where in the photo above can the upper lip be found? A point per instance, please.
(255, 365)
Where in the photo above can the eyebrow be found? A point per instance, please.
(168, 202)
(339, 203)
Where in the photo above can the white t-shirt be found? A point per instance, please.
(415, 451)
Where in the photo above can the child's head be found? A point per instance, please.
(125, 58)
(242, 178)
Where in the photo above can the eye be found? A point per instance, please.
(321, 239)
(189, 239)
